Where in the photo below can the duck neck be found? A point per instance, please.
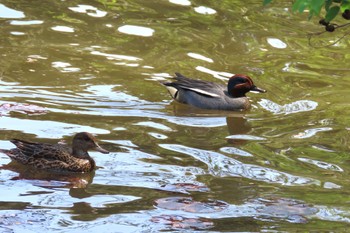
(237, 92)
(81, 154)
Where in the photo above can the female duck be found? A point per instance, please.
(57, 157)
(208, 95)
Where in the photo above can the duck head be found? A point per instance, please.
(83, 142)
(239, 84)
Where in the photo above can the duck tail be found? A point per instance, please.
(8, 153)
(167, 82)
(4, 151)
(177, 74)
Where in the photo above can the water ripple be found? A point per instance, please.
(235, 151)
(142, 170)
(89, 10)
(222, 166)
(154, 125)
(265, 210)
(245, 137)
(118, 57)
(311, 132)
(40, 127)
(200, 57)
(321, 164)
(295, 107)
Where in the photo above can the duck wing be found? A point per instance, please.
(41, 150)
(206, 88)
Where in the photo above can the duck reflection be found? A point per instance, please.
(238, 125)
(236, 121)
(179, 109)
(47, 179)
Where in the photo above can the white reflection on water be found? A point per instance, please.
(62, 29)
(47, 198)
(140, 110)
(17, 33)
(157, 76)
(311, 132)
(127, 143)
(154, 125)
(40, 127)
(200, 57)
(223, 166)
(181, 2)
(294, 107)
(321, 164)
(36, 56)
(235, 151)
(109, 92)
(289, 210)
(64, 67)
(216, 74)
(141, 169)
(245, 137)
(276, 43)
(116, 56)
(204, 10)
(105, 100)
(8, 13)
(89, 10)
(26, 22)
(136, 30)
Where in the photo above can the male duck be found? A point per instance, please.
(209, 95)
(57, 157)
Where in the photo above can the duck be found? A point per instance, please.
(210, 95)
(57, 157)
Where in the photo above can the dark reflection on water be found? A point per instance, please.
(95, 66)
(48, 179)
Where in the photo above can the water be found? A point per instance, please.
(70, 66)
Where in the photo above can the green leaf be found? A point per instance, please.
(310, 15)
(345, 5)
(316, 6)
(266, 2)
(296, 5)
(302, 7)
(327, 4)
(332, 13)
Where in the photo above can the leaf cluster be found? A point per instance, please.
(332, 7)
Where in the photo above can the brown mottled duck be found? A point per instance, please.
(57, 157)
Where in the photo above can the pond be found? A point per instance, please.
(96, 66)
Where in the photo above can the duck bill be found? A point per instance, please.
(100, 149)
(258, 89)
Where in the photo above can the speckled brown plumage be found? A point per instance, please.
(57, 157)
